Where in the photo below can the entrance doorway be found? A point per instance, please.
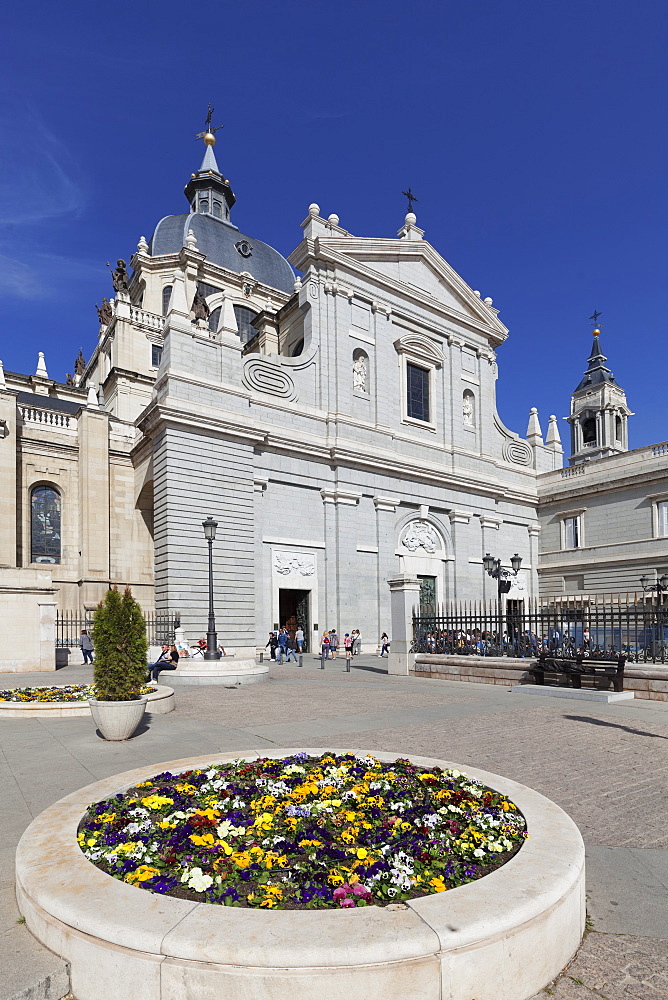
(293, 612)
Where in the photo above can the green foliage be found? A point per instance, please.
(121, 650)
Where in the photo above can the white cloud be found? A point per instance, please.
(38, 178)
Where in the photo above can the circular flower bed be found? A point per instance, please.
(69, 693)
(303, 832)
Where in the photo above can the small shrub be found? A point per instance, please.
(121, 650)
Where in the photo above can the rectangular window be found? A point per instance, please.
(662, 521)
(156, 355)
(572, 533)
(417, 392)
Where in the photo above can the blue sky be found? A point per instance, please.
(532, 131)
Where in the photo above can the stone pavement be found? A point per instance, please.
(607, 765)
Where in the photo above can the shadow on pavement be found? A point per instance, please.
(614, 725)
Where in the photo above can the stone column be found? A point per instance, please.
(404, 596)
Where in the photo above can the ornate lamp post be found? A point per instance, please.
(211, 638)
(504, 579)
(657, 588)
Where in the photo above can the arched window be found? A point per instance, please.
(217, 210)
(589, 430)
(297, 349)
(44, 525)
(360, 370)
(166, 296)
(203, 205)
(244, 318)
(214, 319)
(468, 408)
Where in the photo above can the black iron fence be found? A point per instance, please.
(595, 626)
(160, 627)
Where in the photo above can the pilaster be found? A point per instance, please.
(8, 458)
(94, 494)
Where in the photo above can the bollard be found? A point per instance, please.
(262, 656)
(322, 661)
(348, 663)
(301, 660)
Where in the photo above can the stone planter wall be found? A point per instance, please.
(159, 702)
(501, 938)
(646, 680)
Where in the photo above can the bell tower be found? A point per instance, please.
(599, 414)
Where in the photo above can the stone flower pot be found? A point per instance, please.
(117, 720)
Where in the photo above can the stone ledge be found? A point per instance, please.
(648, 681)
(500, 938)
(159, 702)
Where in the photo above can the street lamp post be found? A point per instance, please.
(657, 588)
(211, 638)
(504, 579)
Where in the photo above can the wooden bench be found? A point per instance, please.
(579, 665)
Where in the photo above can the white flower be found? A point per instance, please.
(478, 853)
(196, 879)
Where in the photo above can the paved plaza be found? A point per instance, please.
(606, 765)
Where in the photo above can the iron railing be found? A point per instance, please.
(597, 626)
(160, 627)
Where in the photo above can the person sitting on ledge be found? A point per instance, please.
(168, 660)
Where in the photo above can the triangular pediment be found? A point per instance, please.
(417, 267)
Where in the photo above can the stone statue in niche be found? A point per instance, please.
(420, 534)
(467, 410)
(360, 373)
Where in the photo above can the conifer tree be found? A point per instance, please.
(119, 637)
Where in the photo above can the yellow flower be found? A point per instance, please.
(186, 789)
(141, 874)
(107, 817)
(438, 884)
(361, 853)
(157, 801)
(203, 840)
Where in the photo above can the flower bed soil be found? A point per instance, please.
(303, 832)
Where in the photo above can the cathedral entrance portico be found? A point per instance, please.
(293, 612)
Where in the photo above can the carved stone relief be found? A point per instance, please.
(420, 534)
(297, 563)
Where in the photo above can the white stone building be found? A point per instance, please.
(335, 413)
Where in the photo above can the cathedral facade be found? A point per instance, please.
(334, 412)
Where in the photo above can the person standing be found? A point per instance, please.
(86, 646)
(333, 642)
(273, 643)
(348, 646)
(291, 649)
(299, 639)
(282, 645)
(324, 646)
(357, 642)
(384, 644)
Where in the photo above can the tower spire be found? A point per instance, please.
(207, 191)
(599, 413)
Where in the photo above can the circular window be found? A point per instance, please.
(244, 248)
